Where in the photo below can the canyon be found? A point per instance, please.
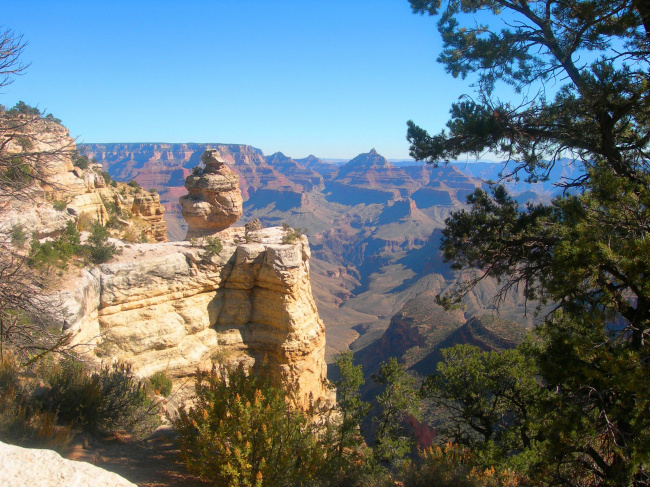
(233, 295)
(374, 227)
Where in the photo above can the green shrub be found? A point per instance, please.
(101, 402)
(59, 205)
(242, 431)
(22, 418)
(455, 466)
(55, 253)
(22, 108)
(212, 246)
(291, 234)
(113, 184)
(52, 118)
(98, 247)
(18, 174)
(84, 222)
(161, 383)
(80, 161)
(18, 236)
(133, 183)
(111, 207)
(114, 222)
(106, 176)
(153, 191)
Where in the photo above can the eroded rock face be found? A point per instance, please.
(45, 468)
(214, 201)
(170, 307)
(147, 206)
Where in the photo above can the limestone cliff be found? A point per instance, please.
(63, 191)
(173, 307)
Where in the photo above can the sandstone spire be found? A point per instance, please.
(214, 200)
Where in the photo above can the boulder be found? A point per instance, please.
(46, 468)
(214, 200)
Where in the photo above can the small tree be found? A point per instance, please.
(398, 399)
(242, 431)
(30, 323)
(352, 408)
(100, 250)
(490, 399)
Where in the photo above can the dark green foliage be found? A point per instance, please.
(59, 205)
(52, 118)
(17, 175)
(153, 190)
(80, 161)
(600, 115)
(598, 414)
(99, 249)
(113, 222)
(134, 184)
(352, 408)
(587, 251)
(22, 108)
(346, 441)
(491, 399)
(107, 177)
(212, 246)
(107, 400)
(398, 400)
(111, 207)
(55, 253)
(242, 431)
(18, 236)
(161, 383)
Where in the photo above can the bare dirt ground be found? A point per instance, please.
(149, 463)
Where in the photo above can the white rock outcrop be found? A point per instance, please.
(23, 467)
(171, 306)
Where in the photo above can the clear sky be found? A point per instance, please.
(332, 78)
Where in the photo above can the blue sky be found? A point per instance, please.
(332, 78)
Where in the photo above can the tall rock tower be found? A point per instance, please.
(214, 200)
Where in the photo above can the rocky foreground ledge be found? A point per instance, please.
(176, 307)
(46, 468)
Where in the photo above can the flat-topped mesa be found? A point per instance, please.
(214, 200)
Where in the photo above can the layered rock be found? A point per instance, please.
(81, 195)
(369, 178)
(214, 201)
(173, 307)
(146, 206)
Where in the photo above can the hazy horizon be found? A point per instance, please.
(293, 77)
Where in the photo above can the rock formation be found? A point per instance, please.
(214, 201)
(46, 468)
(171, 307)
(176, 307)
(83, 193)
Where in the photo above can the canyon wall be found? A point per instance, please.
(175, 307)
